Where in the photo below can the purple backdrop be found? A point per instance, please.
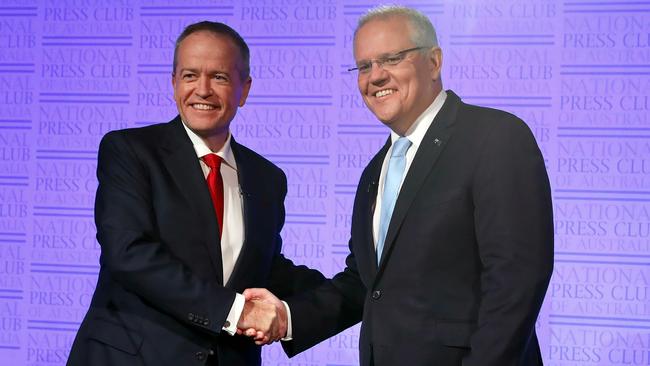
(575, 71)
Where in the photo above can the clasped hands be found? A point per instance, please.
(264, 317)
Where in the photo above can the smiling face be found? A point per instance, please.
(208, 86)
(398, 94)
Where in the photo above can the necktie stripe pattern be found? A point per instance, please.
(215, 185)
(396, 167)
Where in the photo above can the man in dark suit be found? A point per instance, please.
(452, 236)
(176, 252)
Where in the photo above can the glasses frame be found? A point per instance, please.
(385, 59)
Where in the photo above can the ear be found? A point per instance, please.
(174, 80)
(245, 89)
(435, 57)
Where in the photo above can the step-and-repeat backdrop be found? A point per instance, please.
(575, 70)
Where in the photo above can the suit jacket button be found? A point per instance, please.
(200, 356)
(376, 294)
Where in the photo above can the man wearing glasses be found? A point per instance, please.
(452, 233)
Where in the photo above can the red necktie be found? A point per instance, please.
(215, 184)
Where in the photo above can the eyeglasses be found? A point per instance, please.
(383, 61)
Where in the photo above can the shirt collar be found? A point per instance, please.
(419, 128)
(202, 149)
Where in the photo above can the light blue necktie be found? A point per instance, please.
(392, 182)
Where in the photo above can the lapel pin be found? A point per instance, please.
(437, 142)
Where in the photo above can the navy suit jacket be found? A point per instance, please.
(160, 297)
(467, 257)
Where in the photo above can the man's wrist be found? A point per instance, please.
(230, 325)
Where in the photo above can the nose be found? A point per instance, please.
(203, 87)
(377, 75)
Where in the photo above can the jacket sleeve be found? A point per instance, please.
(514, 232)
(330, 308)
(327, 310)
(287, 278)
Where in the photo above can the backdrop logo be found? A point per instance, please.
(575, 71)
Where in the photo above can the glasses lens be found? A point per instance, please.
(393, 60)
(364, 68)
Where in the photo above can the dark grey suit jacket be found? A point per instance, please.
(468, 253)
(160, 297)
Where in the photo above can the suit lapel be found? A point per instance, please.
(372, 191)
(433, 143)
(180, 159)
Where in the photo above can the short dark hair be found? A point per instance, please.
(216, 28)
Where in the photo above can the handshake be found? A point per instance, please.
(264, 317)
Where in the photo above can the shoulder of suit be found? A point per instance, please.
(152, 134)
(249, 156)
(149, 131)
(485, 117)
(493, 124)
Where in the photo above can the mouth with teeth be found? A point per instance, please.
(203, 107)
(385, 92)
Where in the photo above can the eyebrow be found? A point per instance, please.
(196, 71)
(187, 69)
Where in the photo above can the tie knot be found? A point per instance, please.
(400, 146)
(212, 160)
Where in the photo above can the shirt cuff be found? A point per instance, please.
(230, 326)
(289, 335)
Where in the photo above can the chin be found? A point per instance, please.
(385, 113)
(202, 122)
(386, 118)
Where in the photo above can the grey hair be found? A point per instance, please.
(423, 34)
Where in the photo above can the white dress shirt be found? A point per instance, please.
(415, 134)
